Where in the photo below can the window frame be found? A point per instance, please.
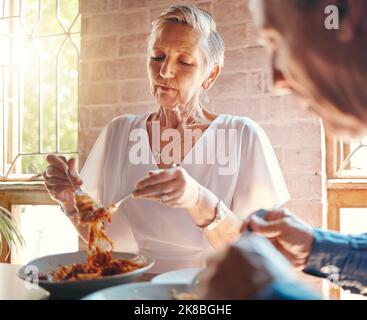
(22, 193)
(341, 192)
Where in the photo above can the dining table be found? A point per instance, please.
(14, 288)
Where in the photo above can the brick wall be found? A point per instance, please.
(113, 81)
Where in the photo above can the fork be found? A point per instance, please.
(79, 191)
(115, 205)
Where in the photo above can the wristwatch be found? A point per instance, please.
(220, 215)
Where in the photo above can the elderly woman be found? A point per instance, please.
(181, 209)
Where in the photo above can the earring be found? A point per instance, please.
(205, 97)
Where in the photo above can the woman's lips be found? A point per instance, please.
(163, 88)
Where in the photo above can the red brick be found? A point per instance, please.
(294, 133)
(87, 138)
(84, 25)
(252, 34)
(134, 91)
(83, 72)
(260, 108)
(133, 44)
(246, 59)
(100, 93)
(304, 187)
(83, 118)
(228, 11)
(270, 108)
(280, 156)
(233, 34)
(139, 108)
(295, 109)
(125, 68)
(107, 113)
(102, 47)
(308, 211)
(156, 10)
(229, 85)
(83, 93)
(239, 84)
(156, 3)
(92, 6)
(303, 159)
(137, 22)
(230, 106)
(128, 4)
(255, 82)
(105, 24)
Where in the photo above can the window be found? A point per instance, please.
(44, 229)
(39, 59)
(347, 190)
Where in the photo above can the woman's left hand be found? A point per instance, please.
(173, 187)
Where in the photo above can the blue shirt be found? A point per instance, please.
(340, 258)
(287, 290)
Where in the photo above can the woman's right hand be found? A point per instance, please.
(57, 182)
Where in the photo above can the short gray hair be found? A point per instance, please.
(199, 20)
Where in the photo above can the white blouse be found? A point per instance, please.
(169, 235)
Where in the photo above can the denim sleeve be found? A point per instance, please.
(341, 259)
(287, 290)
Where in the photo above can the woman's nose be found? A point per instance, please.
(167, 69)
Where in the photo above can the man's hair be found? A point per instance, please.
(306, 4)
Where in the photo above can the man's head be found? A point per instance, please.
(326, 67)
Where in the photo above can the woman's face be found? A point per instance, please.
(176, 66)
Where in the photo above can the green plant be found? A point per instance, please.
(9, 230)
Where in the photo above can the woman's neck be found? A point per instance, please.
(180, 117)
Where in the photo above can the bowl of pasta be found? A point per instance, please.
(73, 275)
(69, 276)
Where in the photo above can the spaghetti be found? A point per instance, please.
(100, 262)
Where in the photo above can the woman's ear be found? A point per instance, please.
(212, 77)
(352, 14)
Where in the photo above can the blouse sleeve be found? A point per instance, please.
(260, 183)
(92, 172)
(102, 174)
(103, 169)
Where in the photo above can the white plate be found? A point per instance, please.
(138, 291)
(181, 276)
(77, 289)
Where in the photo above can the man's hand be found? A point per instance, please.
(243, 270)
(290, 235)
